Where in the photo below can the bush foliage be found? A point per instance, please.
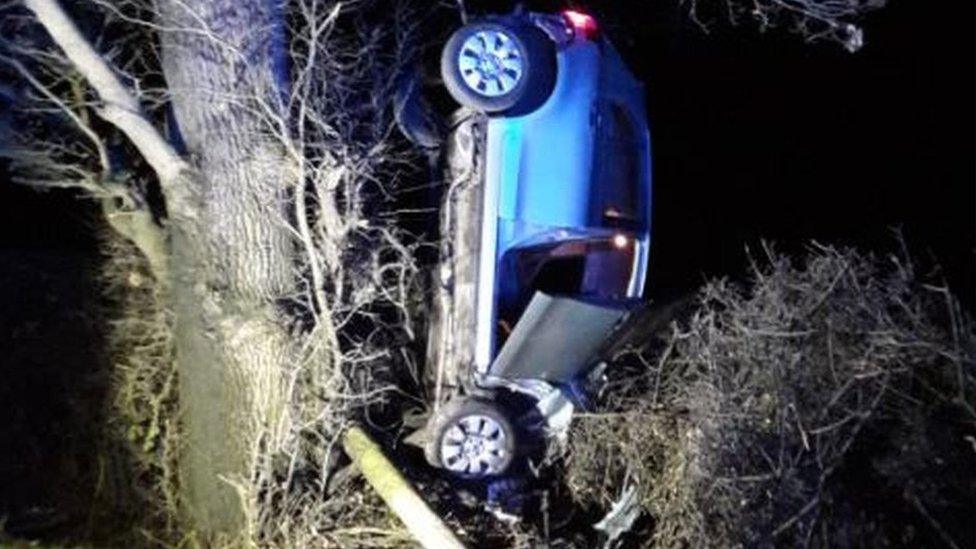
(829, 401)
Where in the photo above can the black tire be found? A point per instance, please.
(453, 412)
(538, 55)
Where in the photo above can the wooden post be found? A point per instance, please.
(384, 477)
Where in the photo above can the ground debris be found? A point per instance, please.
(620, 518)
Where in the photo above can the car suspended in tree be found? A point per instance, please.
(557, 245)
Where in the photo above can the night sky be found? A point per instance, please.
(766, 137)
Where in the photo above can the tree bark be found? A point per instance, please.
(220, 66)
(229, 253)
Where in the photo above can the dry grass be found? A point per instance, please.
(139, 462)
(825, 403)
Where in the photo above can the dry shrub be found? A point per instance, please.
(830, 401)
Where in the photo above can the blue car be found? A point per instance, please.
(558, 240)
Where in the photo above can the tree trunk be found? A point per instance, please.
(234, 262)
(228, 257)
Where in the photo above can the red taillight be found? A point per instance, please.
(582, 23)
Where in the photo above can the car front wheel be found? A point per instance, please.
(494, 67)
(471, 438)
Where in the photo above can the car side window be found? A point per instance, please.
(616, 174)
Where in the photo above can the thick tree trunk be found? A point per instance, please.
(229, 258)
(235, 262)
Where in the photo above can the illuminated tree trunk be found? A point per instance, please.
(236, 265)
(228, 258)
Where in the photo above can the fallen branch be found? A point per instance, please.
(402, 499)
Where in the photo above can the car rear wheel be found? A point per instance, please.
(471, 438)
(496, 67)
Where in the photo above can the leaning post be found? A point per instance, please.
(399, 495)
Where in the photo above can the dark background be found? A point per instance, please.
(767, 137)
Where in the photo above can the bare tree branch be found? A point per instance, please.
(50, 96)
(120, 107)
(814, 20)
